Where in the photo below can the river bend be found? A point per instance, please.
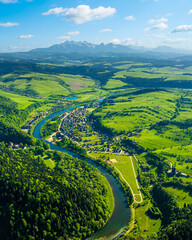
(121, 214)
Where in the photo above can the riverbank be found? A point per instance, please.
(121, 214)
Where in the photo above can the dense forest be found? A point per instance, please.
(70, 202)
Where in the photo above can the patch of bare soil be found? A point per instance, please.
(77, 85)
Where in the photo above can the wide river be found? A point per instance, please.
(121, 214)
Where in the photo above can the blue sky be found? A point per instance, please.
(28, 24)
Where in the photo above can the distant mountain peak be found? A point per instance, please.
(84, 47)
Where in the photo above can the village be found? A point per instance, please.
(78, 127)
(41, 114)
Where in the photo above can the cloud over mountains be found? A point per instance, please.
(82, 13)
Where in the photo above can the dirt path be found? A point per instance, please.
(136, 183)
(50, 139)
(62, 121)
(132, 220)
(134, 195)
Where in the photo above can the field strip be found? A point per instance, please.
(136, 182)
(134, 195)
(125, 180)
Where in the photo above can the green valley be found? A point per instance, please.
(130, 117)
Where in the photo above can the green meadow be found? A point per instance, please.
(23, 101)
(42, 85)
(180, 156)
(114, 83)
(182, 196)
(49, 163)
(124, 74)
(148, 71)
(133, 112)
(47, 85)
(123, 163)
(140, 74)
(167, 137)
(143, 222)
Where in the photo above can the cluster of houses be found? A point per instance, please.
(28, 125)
(16, 146)
(73, 122)
(77, 125)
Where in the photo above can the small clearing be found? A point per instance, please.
(77, 85)
(50, 139)
(113, 160)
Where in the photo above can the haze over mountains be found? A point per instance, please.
(69, 50)
(86, 47)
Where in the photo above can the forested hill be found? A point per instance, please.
(10, 119)
(69, 202)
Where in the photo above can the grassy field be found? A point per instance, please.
(181, 156)
(23, 101)
(91, 96)
(49, 163)
(130, 64)
(124, 74)
(123, 163)
(45, 85)
(139, 116)
(147, 71)
(144, 223)
(168, 137)
(138, 111)
(114, 83)
(181, 196)
(71, 80)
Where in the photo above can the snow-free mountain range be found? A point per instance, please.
(86, 47)
(84, 50)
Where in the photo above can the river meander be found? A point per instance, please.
(121, 214)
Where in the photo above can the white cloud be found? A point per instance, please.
(56, 11)
(161, 20)
(127, 41)
(26, 36)
(159, 35)
(105, 30)
(159, 26)
(12, 47)
(68, 35)
(82, 13)
(182, 28)
(8, 1)
(130, 18)
(72, 34)
(9, 24)
(190, 11)
(147, 29)
(116, 41)
(67, 38)
(177, 40)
